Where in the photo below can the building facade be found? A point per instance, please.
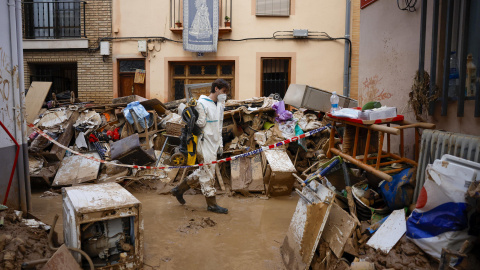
(61, 44)
(390, 45)
(257, 53)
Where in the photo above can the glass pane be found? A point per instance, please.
(210, 69)
(195, 70)
(179, 89)
(131, 65)
(227, 70)
(179, 70)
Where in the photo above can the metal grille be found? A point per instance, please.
(131, 65)
(273, 8)
(63, 77)
(54, 19)
(275, 76)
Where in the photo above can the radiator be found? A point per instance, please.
(436, 143)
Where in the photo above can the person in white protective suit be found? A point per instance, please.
(210, 120)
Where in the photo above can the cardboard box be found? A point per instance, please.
(380, 113)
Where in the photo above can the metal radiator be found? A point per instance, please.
(436, 143)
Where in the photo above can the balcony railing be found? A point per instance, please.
(176, 14)
(54, 19)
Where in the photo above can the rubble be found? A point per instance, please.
(339, 231)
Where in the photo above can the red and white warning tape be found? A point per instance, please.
(254, 152)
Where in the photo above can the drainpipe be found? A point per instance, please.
(17, 112)
(21, 88)
(346, 68)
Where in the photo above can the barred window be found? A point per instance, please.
(273, 8)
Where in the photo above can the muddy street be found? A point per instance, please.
(187, 237)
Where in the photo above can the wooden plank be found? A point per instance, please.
(247, 174)
(390, 232)
(340, 226)
(306, 227)
(62, 259)
(76, 170)
(219, 177)
(34, 100)
(57, 153)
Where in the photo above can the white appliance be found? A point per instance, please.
(105, 221)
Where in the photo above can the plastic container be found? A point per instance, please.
(334, 99)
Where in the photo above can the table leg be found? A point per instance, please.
(380, 148)
(367, 146)
(355, 144)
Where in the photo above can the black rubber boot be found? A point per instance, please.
(179, 190)
(213, 206)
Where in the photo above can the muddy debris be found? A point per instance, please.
(20, 243)
(196, 224)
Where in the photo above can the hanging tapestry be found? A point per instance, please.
(200, 30)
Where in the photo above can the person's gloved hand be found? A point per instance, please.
(220, 150)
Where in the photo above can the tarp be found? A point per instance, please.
(200, 18)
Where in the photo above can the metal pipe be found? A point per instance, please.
(463, 37)
(346, 62)
(21, 86)
(423, 26)
(16, 99)
(446, 59)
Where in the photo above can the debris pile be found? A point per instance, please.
(21, 241)
(354, 197)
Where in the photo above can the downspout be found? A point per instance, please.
(16, 103)
(346, 62)
(21, 88)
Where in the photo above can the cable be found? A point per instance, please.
(322, 36)
(408, 5)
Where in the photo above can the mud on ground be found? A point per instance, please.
(20, 243)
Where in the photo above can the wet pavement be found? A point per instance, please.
(184, 237)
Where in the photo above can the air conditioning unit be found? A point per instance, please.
(104, 48)
(105, 221)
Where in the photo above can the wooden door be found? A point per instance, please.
(126, 76)
(127, 87)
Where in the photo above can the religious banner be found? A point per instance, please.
(200, 29)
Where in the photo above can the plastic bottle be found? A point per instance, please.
(453, 76)
(334, 101)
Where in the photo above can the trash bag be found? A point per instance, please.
(398, 193)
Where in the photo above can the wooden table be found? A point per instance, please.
(382, 126)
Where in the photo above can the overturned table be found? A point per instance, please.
(382, 126)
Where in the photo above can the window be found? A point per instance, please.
(200, 72)
(53, 19)
(63, 77)
(273, 8)
(275, 76)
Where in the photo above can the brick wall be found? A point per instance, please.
(95, 77)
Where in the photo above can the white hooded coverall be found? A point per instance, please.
(210, 119)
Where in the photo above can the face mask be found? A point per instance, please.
(222, 97)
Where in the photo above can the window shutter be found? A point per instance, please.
(273, 8)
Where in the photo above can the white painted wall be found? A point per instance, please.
(319, 64)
